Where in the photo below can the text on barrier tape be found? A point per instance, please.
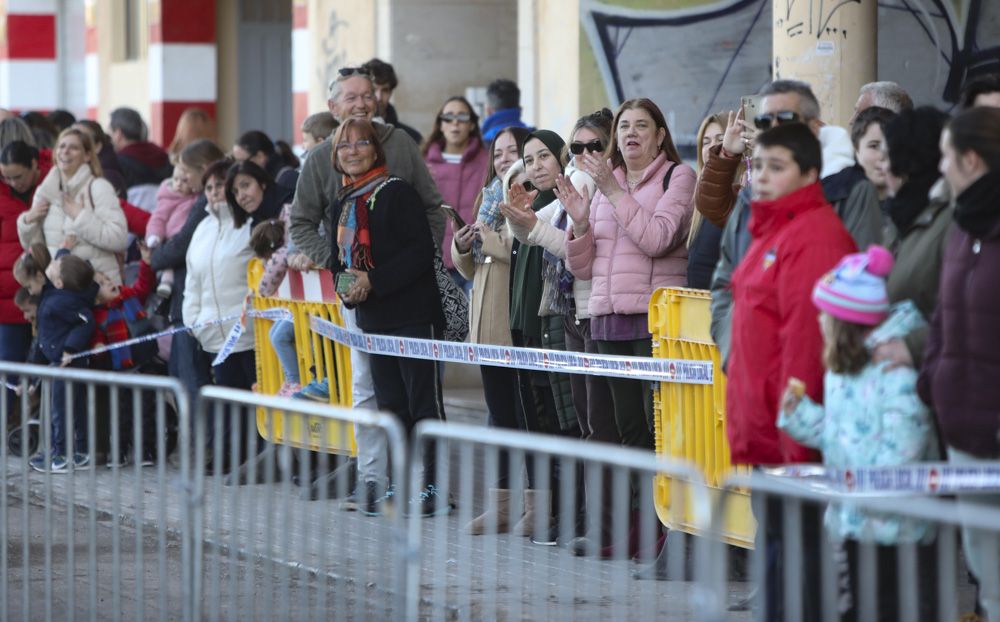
(631, 367)
(935, 478)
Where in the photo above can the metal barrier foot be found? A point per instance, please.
(332, 485)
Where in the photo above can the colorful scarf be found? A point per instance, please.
(559, 293)
(354, 240)
(489, 214)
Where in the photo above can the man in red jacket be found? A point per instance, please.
(796, 237)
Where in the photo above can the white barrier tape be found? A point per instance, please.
(238, 328)
(267, 314)
(12, 387)
(934, 478)
(633, 368)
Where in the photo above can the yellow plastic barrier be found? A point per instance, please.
(318, 358)
(690, 419)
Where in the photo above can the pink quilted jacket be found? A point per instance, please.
(631, 250)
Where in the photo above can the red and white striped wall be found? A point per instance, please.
(182, 63)
(29, 75)
(91, 63)
(302, 66)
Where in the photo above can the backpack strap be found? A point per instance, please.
(666, 178)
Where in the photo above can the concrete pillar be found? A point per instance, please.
(29, 75)
(549, 53)
(301, 65)
(91, 63)
(182, 63)
(832, 46)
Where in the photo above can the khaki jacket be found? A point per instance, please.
(489, 308)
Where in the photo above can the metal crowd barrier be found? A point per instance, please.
(267, 547)
(95, 542)
(800, 571)
(456, 576)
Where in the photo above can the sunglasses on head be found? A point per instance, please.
(593, 146)
(768, 120)
(450, 117)
(347, 72)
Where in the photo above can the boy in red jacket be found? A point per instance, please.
(796, 238)
(116, 305)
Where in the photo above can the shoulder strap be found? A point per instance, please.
(666, 178)
(90, 193)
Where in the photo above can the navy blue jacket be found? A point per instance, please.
(65, 321)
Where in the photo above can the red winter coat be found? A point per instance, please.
(459, 185)
(10, 245)
(115, 331)
(775, 334)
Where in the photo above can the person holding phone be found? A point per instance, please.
(385, 242)
(457, 160)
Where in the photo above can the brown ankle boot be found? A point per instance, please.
(496, 517)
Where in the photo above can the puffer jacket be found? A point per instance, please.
(10, 245)
(545, 234)
(172, 209)
(216, 282)
(775, 336)
(459, 184)
(631, 250)
(100, 228)
(717, 188)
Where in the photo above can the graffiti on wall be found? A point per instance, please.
(334, 56)
(695, 57)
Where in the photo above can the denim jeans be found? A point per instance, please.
(282, 335)
(75, 408)
(15, 339)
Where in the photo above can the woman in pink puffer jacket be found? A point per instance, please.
(629, 241)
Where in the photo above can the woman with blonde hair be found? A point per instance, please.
(194, 124)
(705, 236)
(75, 200)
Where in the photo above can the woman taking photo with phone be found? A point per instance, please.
(457, 160)
(481, 254)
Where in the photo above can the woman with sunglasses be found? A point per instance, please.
(630, 240)
(562, 294)
(456, 159)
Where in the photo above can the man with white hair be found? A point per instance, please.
(352, 94)
(884, 95)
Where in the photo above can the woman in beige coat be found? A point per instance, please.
(481, 252)
(74, 200)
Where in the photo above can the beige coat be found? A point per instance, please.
(489, 311)
(100, 228)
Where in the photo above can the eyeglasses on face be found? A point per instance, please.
(450, 117)
(347, 72)
(593, 146)
(768, 120)
(358, 144)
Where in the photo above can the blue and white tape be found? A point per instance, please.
(631, 367)
(236, 331)
(918, 478)
(267, 314)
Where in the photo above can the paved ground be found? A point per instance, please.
(268, 551)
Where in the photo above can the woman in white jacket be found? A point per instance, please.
(75, 200)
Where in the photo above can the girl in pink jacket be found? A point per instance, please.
(630, 240)
(174, 200)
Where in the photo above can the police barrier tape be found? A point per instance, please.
(267, 314)
(925, 477)
(634, 368)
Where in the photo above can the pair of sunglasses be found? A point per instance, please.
(768, 120)
(449, 117)
(347, 72)
(593, 146)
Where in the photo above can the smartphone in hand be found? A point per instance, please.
(456, 219)
(343, 282)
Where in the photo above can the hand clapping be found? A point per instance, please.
(575, 204)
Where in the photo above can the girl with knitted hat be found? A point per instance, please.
(870, 416)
